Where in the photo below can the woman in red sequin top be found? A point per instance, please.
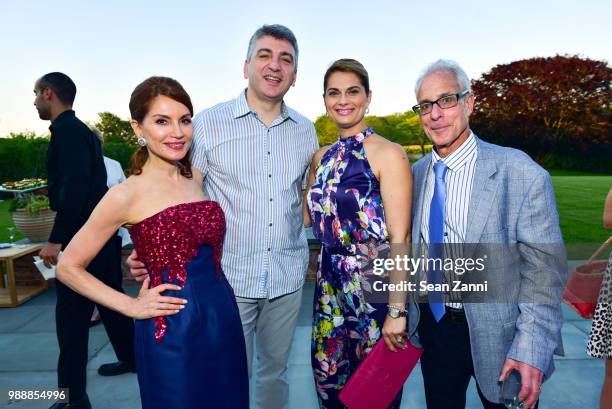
(190, 350)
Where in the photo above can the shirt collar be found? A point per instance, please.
(66, 115)
(242, 108)
(460, 157)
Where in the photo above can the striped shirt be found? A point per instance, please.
(255, 173)
(459, 178)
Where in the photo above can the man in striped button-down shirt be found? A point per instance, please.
(254, 152)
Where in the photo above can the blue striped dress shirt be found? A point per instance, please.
(459, 178)
(256, 173)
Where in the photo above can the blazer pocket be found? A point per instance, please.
(494, 235)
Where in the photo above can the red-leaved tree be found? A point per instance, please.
(556, 108)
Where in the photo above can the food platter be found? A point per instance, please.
(24, 185)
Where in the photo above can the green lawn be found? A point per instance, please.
(580, 200)
(559, 172)
(5, 222)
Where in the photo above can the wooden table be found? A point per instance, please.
(12, 296)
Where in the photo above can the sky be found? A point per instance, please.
(108, 47)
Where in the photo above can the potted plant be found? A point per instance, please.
(32, 216)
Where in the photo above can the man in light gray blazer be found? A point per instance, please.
(477, 192)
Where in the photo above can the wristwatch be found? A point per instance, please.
(396, 312)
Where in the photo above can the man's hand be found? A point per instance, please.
(137, 267)
(531, 381)
(394, 333)
(50, 253)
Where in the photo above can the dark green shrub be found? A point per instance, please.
(119, 151)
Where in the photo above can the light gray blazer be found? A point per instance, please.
(512, 202)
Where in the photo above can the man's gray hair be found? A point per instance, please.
(96, 132)
(446, 66)
(277, 31)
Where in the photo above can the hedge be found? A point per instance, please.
(22, 157)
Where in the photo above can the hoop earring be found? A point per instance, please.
(142, 142)
(367, 110)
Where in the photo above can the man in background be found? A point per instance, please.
(77, 182)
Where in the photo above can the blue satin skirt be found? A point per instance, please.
(201, 360)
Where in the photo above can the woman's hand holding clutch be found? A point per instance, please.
(394, 333)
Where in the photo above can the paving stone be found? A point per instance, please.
(28, 359)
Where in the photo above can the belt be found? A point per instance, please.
(456, 314)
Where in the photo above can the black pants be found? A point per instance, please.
(446, 362)
(72, 315)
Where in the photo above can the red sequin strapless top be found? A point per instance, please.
(170, 239)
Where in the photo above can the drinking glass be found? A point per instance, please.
(11, 234)
(510, 391)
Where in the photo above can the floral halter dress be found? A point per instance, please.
(346, 210)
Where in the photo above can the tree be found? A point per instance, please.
(381, 126)
(115, 129)
(547, 106)
(327, 131)
(27, 135)
(402, 128)
(411, 127)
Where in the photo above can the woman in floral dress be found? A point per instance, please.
(360, 192)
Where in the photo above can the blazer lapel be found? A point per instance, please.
(484, 189)
(420, 178)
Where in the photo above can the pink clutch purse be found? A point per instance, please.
(380, 377)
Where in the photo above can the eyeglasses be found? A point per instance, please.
(445, 102)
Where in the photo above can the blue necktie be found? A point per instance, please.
(436, 239)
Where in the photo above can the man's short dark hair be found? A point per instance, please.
(277, 31)
(61, 84)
